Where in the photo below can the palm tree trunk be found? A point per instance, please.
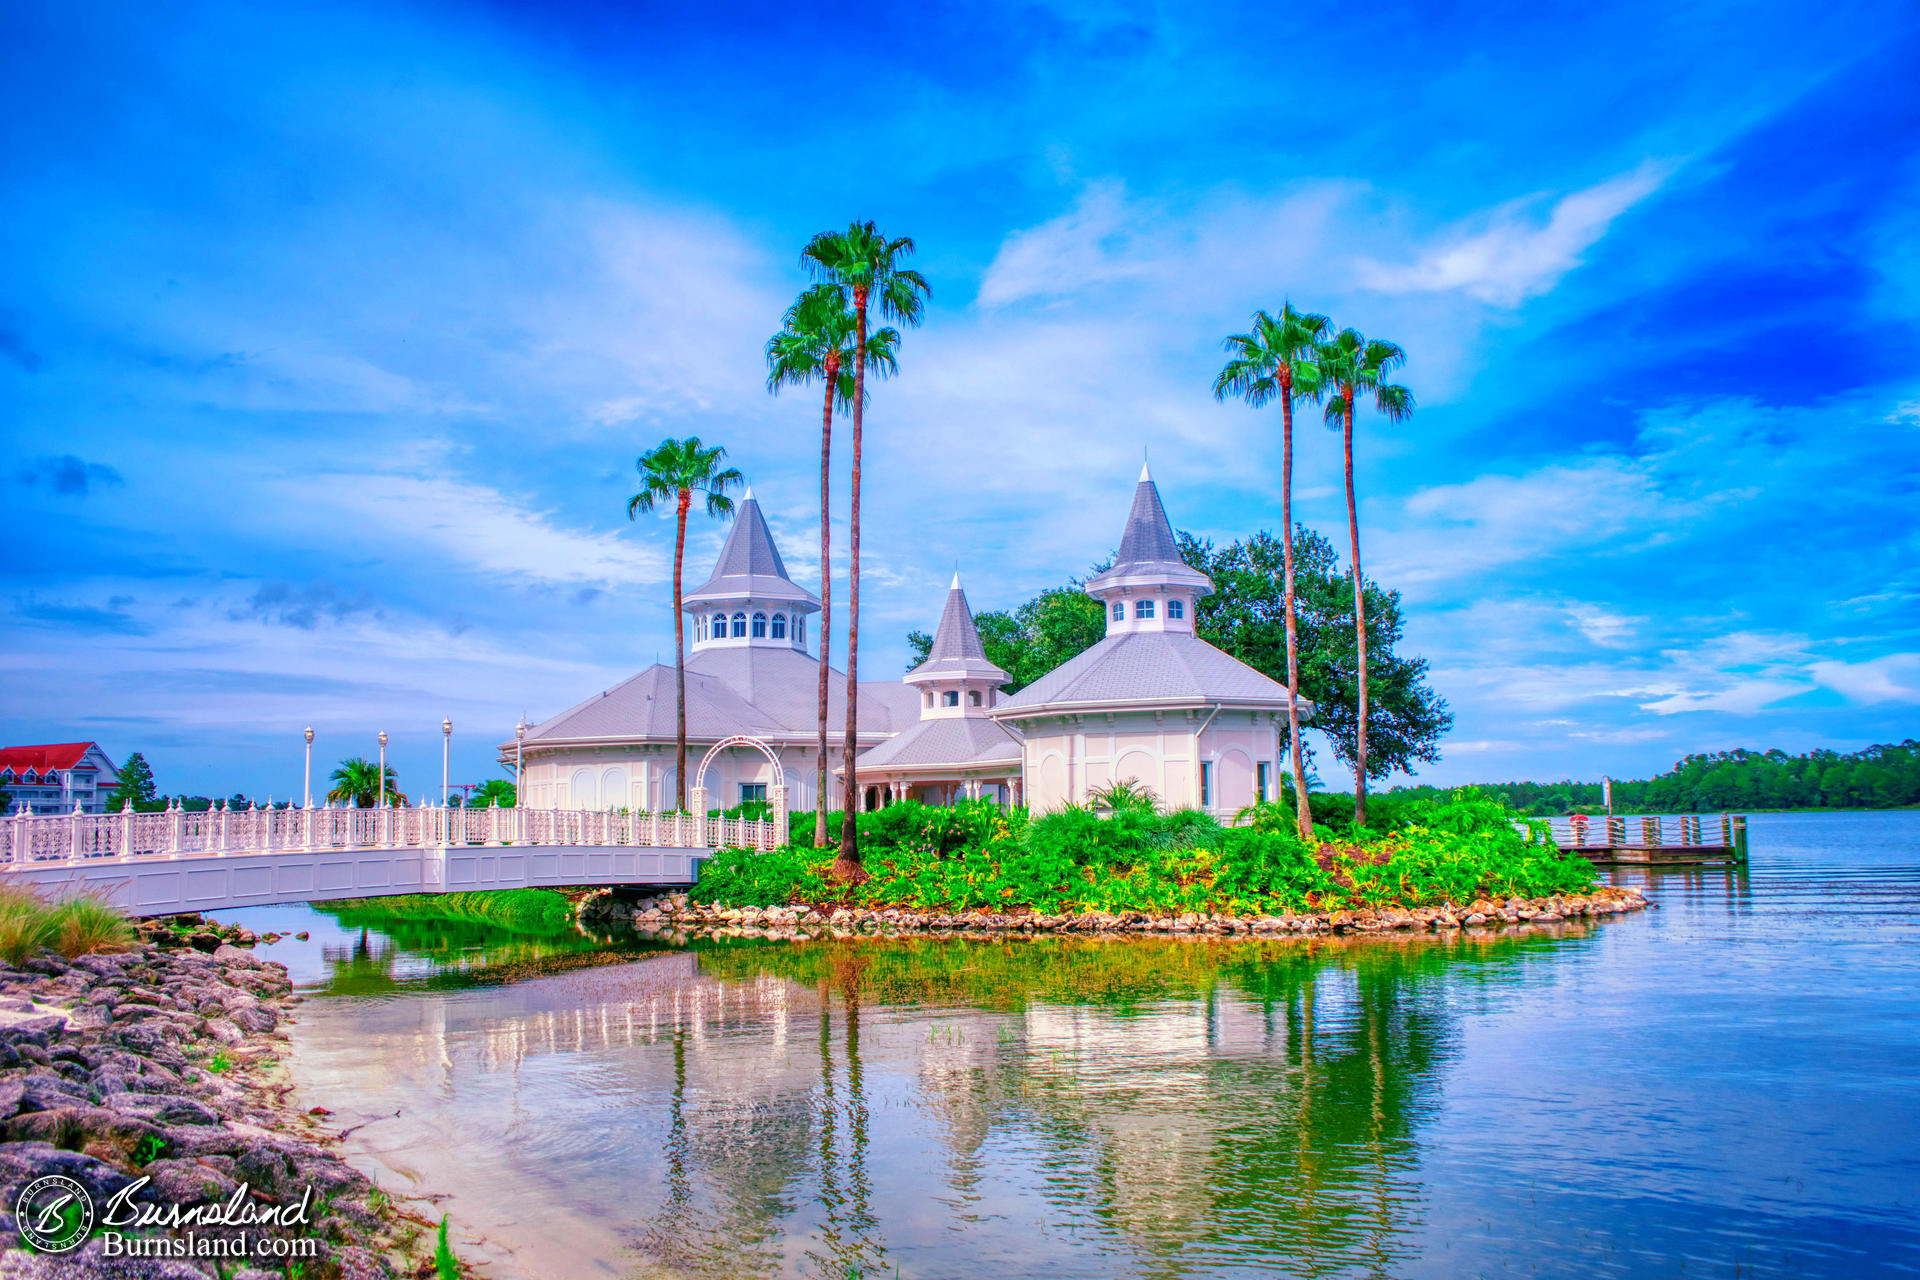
(826, 611)
(680, 656)
(1359, 629)
(847, 867)
(1303, 812)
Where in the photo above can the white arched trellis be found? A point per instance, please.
(776, 791)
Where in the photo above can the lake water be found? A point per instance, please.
(1724, 1087)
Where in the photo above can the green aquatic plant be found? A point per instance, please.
(445, 1265)
(519, 910)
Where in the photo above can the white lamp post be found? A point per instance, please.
(383, 768)
(519, 761)
(309, 784)
(446, 752)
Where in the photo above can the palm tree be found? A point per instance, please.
(494, 791)
(816, 340)
(674, 471)
(867, 265)
(1276, 358)
(1351, 366)
(357, 782)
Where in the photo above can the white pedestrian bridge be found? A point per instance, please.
(161, 864)
(154, 864)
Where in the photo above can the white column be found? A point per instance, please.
(126, 830)
(78, 845)
(697, 803)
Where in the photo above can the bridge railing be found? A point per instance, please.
(69, 837)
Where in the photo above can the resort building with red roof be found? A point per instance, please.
(54, 777)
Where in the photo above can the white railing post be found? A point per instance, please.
(697, 803)
(176, 826)
(226, 812)
(126, 830)
(779, 794)
(262, 819)
(78, 839)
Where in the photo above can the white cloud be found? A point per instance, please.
(1894, 678)
(479, 529)
(1515, 256)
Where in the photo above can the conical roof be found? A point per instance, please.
(1148, 548)
(957, 651)
(750, 566)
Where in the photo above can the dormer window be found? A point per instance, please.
(1176, 610)
(1144, 609)
(759, 626)
(719, 626)
(973, 698)
(739, 626)
(779, 626)
(926, 698)
(1119, 613)
(952, 697)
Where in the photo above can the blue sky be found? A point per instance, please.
(328, 335)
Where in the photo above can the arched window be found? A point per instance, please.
(1144, 609)
(974, 697)
(1176, 609)
(1119, 610)
(953, 697)
(759, 626)
(739, 626)
(800, 630)
(779, 626)
(719, 626)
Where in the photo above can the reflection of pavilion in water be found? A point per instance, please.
(1269, 1114)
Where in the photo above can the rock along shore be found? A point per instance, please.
(165, 1064)
(675, 913)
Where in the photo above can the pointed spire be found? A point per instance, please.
(749, 566)
(956, 648)
(1148, 548)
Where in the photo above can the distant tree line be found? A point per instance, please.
(1878, 777)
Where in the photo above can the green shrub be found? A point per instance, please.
(743, 877)
(973, 857)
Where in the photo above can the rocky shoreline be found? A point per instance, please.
(675, 913)
(165, 1064)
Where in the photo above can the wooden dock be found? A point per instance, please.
(1659, 840)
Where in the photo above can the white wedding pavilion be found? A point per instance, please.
(1151, 702)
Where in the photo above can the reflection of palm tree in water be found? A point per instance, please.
(848, 1244)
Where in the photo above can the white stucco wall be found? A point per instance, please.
(1066, 758)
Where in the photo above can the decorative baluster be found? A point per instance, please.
(126, 831)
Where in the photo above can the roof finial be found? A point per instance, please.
(748, 496)
(1146, 477)
(956, 581)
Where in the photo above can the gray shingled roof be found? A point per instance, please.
(750, 689)
(1163, 666)
(959, 743)
(1147, 544)
(750, 565)
(957, 650)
